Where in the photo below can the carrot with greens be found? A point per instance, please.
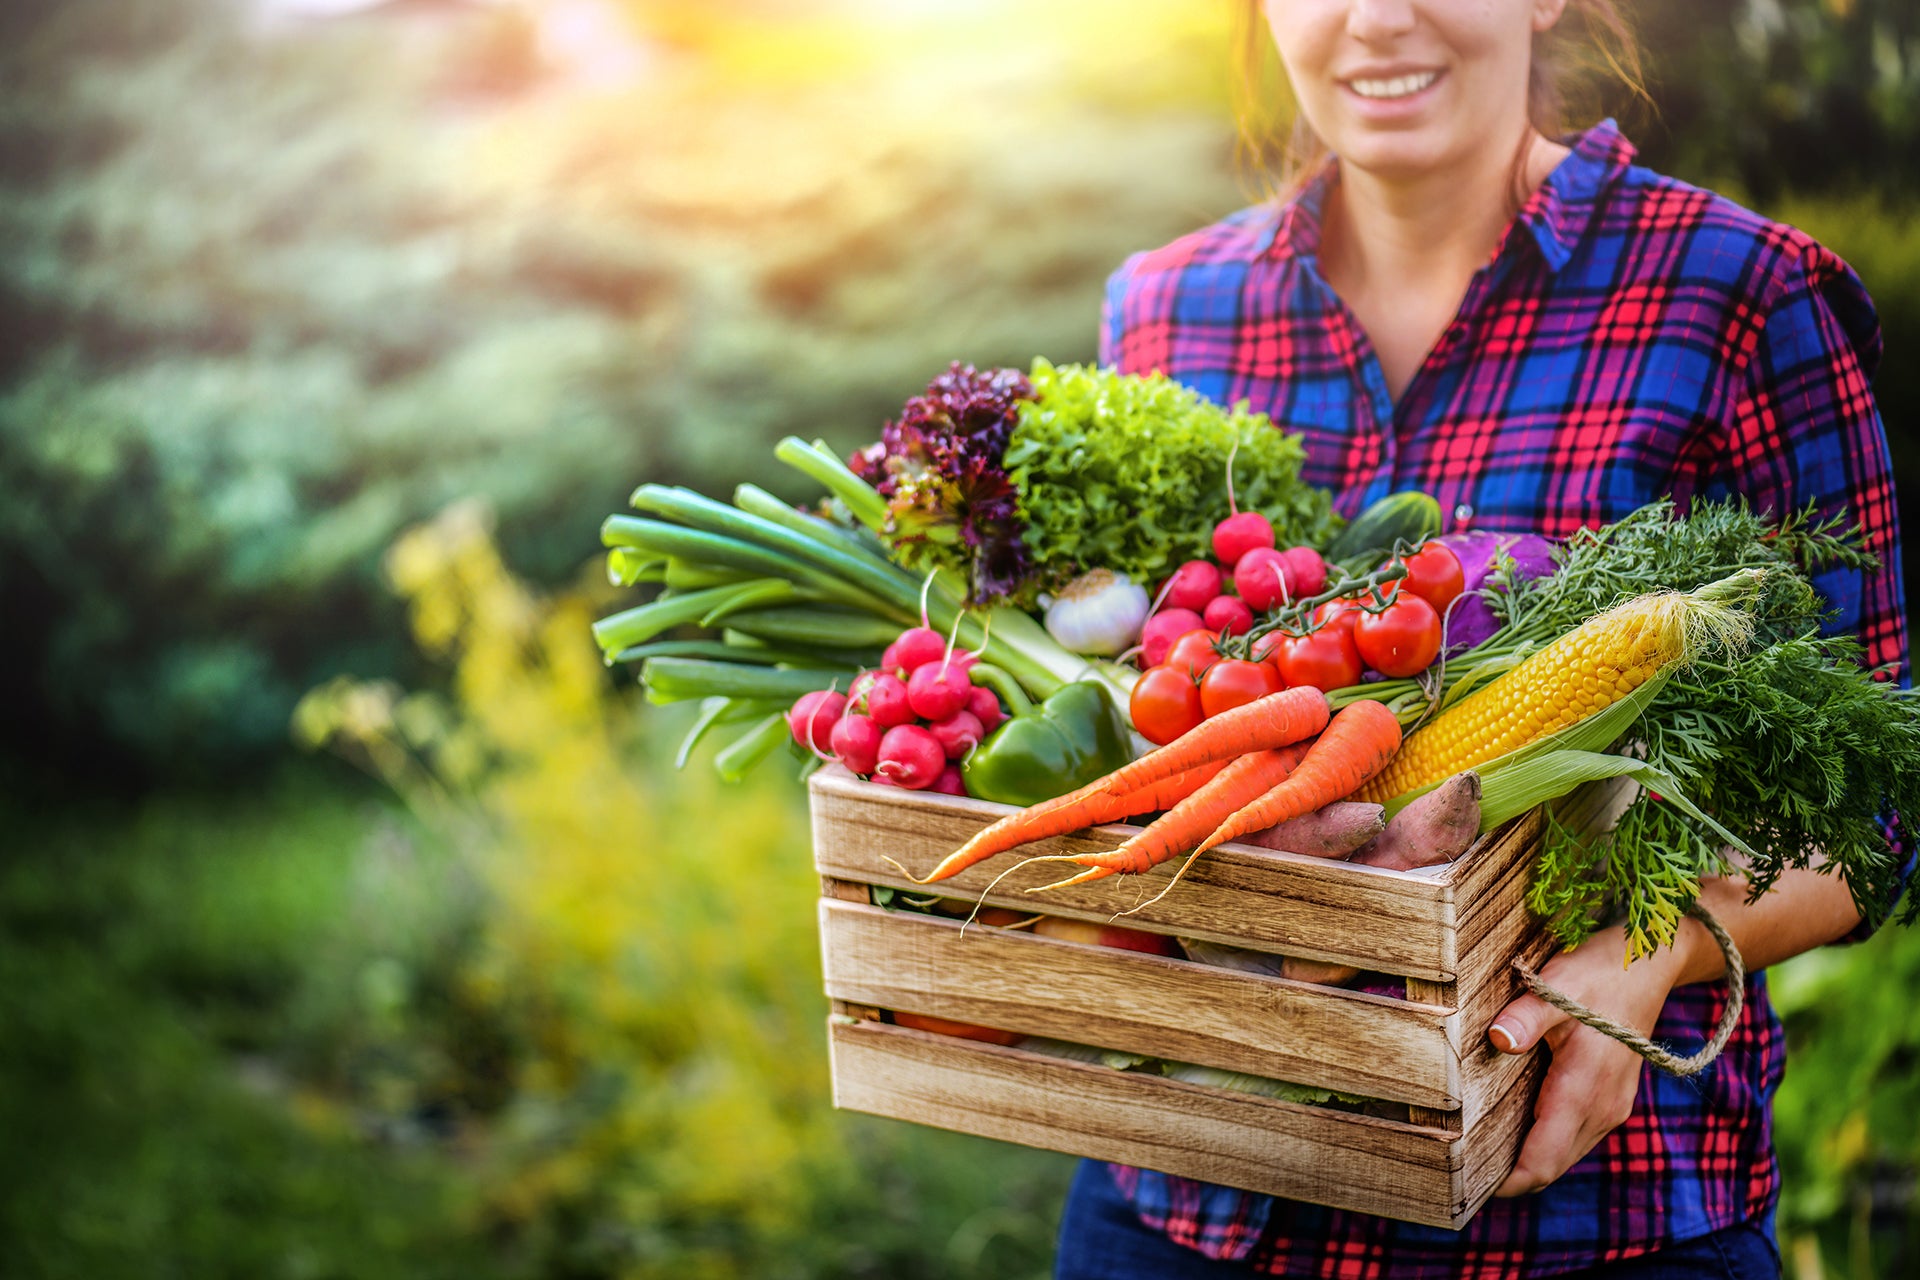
(1277, 720)
(1090, 806)
(1359, 742)
(1238, 785)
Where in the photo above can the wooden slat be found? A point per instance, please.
(1136, 1003)
(1237, 894)
(1443, 994)
(1493, 1142)
(1278, 1148)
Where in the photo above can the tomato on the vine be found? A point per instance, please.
(1327, 659)
(1165, 704)
(1234, 682)
(1337, 615)
(1434, 574)
(1402, 639)
(1192, 654)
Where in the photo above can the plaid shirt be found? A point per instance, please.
(1630, 337)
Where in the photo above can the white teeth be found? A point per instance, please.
(1398, 87)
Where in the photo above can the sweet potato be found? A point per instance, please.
(1332, 975)
(1333, 831)
(1436, 828)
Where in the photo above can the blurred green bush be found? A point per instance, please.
(271, 297)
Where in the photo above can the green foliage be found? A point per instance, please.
(1789, 95)
(1847, 1119)
(1130, 474)
(1788, 742)
(213, 1009)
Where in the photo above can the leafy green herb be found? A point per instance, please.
(1130, 474)
(1793, 745)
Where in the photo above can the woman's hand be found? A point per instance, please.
(1592, 1080)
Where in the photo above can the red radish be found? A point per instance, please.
(916, 647)
(1306, 572)
(958, 734)
(813, 717)
(910, 757)
(1192, 585)
(857, 691)
(1229, 614)
(855, 741)
(887, 701)
(1161, 630)
(937, 689)
(1261, 578)
(950, 782)
(985, 708)
(1237, 535)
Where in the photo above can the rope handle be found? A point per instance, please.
(1664, 1059)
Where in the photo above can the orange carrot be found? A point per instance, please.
(1358, 743)
(1239, 784)
(1277, 720)
(1088, 807)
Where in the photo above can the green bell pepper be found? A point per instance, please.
(1072, 738)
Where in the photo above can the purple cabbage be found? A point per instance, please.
(1471, 619)
(940, 467)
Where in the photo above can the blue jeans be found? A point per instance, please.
(1101, 1238)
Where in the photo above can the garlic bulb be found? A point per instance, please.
(1100, 612)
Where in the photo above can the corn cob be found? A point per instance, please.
(1583, 672)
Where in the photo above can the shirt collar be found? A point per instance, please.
(1556, 215)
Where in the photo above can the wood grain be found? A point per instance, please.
(1164, 1008)
(1238, 895)
(1306, 1153)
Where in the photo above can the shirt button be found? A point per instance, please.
(1462, 514)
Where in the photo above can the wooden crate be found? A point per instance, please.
(1451, 935)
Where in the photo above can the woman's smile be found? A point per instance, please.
(1391, 91)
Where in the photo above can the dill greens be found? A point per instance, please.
(1792, 745)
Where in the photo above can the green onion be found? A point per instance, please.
(683, 679)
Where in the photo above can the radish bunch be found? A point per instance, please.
(1247, 576)
(907, 723)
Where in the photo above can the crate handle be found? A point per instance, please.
(1664, 1059)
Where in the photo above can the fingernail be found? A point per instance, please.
(1503, 1037)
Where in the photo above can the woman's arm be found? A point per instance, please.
(1591, 1083)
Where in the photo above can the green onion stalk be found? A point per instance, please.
(802, 603)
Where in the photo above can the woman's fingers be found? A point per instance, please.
(1588, 1093)
(1522, 1023)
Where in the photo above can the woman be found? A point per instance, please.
(1544, 336)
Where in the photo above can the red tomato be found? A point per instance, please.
(1164, 705)
(1327, 659)
(1401, 640)
(1192, 654)
(1234, 682)
(1434, 574)
(1338, 615)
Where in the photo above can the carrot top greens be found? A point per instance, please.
(1791, 744)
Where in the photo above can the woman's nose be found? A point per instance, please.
(1375, 20)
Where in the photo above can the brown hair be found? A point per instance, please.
(1592, 43)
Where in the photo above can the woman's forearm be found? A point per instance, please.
(1803, 910)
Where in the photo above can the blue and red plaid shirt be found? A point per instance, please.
(1631, 337)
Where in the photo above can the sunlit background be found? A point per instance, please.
(330, 330)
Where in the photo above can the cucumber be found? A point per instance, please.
(1409, 516)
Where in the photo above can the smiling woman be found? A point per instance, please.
(1453, 294)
